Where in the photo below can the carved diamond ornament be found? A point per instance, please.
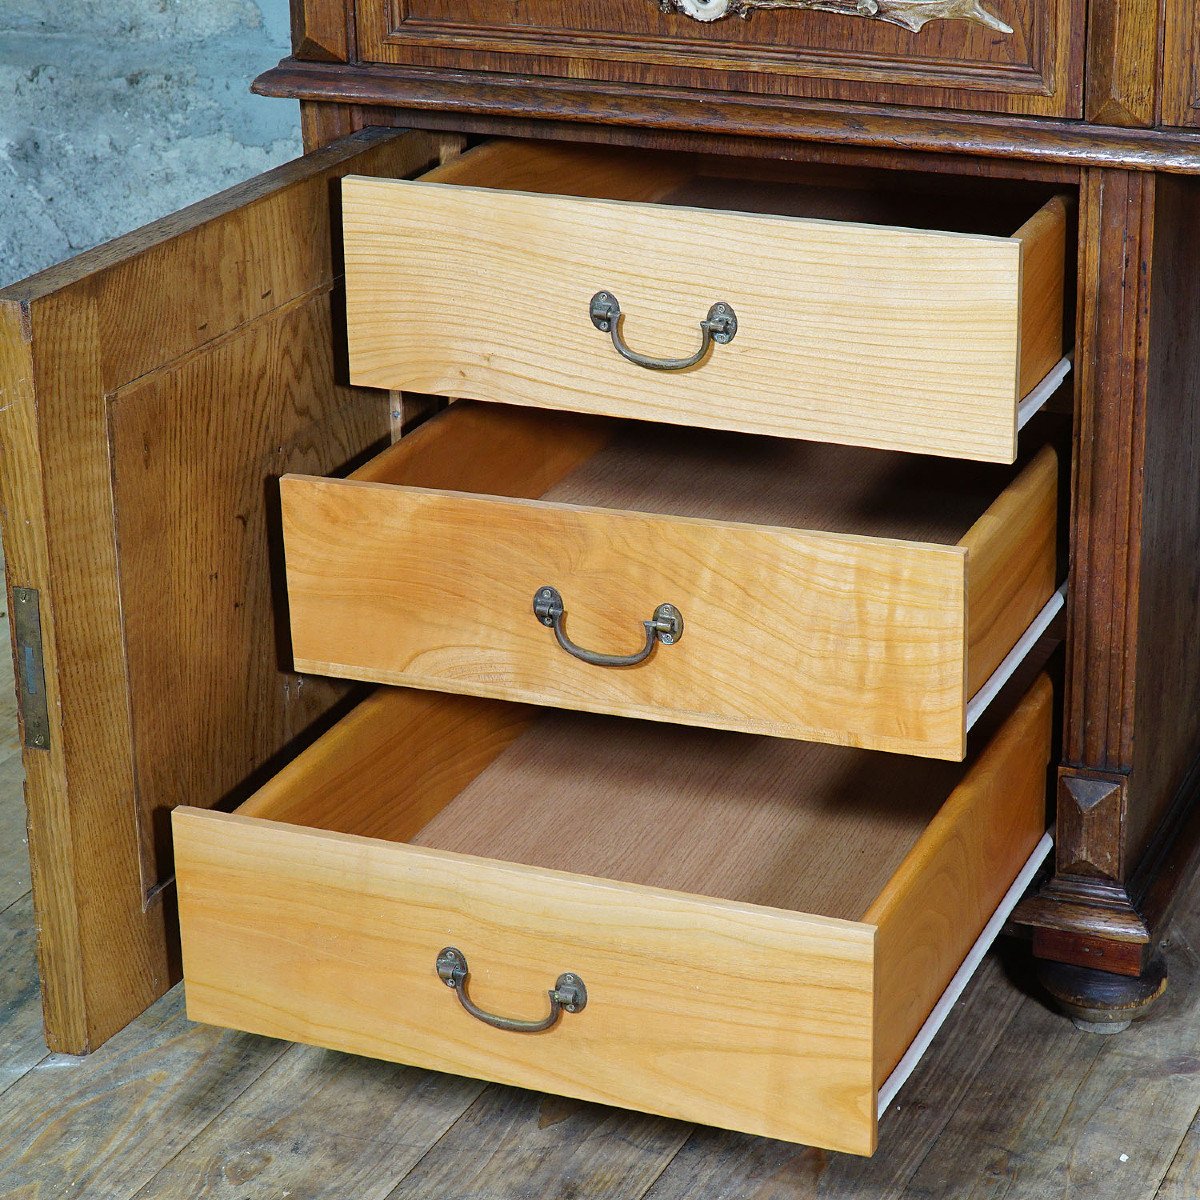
(911, 14)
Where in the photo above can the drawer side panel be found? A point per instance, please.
(952, 881)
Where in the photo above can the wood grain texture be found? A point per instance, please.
(1011, 565)
(322, 29)
(1166, 731)
(1037, 68)
(1043, 241)
(318, 1125)
(1123, 63)
(391, 765)
(908, 601)
(322, 123)
(1054, 1109)
(1116, 239)
(863, 373)
(483, 123)
(584, 827)
(546, 168)
(495, 449)
(74, 336)
(27, 561)
(363, 921)
(946, 890)
(715, 1164)
(199, 550)
(795, 826)
(857, 566)
(584, 109)
(14, 839)
(1131, 713)
(22, 1045)
(514, 1144)
(59, 1129)
(1181, 65)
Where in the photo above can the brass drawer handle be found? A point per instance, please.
(567, 995)
(719, 326)
(665, 626)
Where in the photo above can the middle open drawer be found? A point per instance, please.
(830, 593)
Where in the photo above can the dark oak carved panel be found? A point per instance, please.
(998, 55)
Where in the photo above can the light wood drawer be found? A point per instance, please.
(831, 593)
(762, 927)
(854, 326)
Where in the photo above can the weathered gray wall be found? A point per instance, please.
(114, 112)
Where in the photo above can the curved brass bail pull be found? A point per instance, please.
(665, 626)
(720, 327)
(567, 995)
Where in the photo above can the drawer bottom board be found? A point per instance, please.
(762, 926)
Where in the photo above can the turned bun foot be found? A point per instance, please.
(1099, 1001)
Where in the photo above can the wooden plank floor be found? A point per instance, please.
(1011, 1102)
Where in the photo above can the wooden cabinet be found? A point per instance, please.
(186, 407)
(996, 55)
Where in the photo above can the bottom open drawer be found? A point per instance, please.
(762, 926)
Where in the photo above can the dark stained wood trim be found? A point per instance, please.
(1128, 821)
(1116, 234)
(1180, 100)
(319, 30)
(323, 124)
(1035, 70)
(1084, 915)
(1122, 76)
(895, 128)
(1172, 859)
(1166, 731)
(774, 149)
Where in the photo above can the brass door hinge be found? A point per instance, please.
(31, 672)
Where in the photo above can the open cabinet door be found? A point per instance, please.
(151, 392)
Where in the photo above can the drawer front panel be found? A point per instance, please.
(1000, 55)
(732, 1015)
(859, 334)
(838, 638)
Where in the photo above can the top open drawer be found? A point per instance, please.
(900, 320)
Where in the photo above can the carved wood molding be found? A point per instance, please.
(911, 14)
(1091, 821)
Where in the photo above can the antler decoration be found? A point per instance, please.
(911, 14)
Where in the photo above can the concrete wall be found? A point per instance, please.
(114, 112)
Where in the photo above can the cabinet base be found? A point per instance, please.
(1099, 1001)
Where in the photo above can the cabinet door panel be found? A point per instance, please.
(998, 55)
(153, 390)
